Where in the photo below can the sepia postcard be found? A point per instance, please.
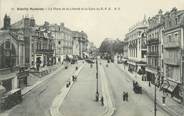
(91, 57)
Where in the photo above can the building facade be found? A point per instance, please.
(83, 43)
(13, 56)
(155, 49)
(136, 47)
(63, 38)
(173, 52)
(42, 47)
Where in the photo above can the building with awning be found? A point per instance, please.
(172, 88)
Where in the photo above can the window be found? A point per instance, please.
(169, 38)
(176, 36)
(176, 21)
(162, 49)
(59, 42)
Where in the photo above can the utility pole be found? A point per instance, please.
(155, 101)
(97, 93)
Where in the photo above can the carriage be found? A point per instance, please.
(137, 88)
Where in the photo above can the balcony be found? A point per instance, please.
(172, 61)
(49, 51)
(172, 44)
(153, 41)
(152, 54)
(151, 67)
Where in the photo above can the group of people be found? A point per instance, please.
(125, 96)
(74, 78)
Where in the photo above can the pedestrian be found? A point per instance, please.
(123, 96)
(149, 84)
(102, 100)
(73, 78)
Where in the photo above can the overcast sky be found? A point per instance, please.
(97, 24)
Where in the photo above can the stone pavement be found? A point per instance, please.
(54, 110)
(171, 106)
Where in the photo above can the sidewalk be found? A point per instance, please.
(171, 106)
(35, 82)
(56, 104)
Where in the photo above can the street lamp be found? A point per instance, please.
(97, 93)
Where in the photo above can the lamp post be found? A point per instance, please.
(97, 93)
(155, 102)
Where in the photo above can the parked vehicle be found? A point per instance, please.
(137, 88)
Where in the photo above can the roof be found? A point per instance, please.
(18, 25)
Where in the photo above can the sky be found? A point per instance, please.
(98, 24)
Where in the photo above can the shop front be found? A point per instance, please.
(150, 75)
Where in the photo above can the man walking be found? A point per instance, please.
(123, 96)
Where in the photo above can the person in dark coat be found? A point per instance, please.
(124, 96)
(102, 100)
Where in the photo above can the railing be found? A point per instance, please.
(152, 53)
(45, 51)
(173, 61)
(172, 44)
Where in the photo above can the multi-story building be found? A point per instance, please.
(174, 52)
(155, 48)
(83, 43)
(63, 38)
(42, 47)
(13, 56)
(136, 47)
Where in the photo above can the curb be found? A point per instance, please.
(58, 100)
(41, 81)
(109, 107)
